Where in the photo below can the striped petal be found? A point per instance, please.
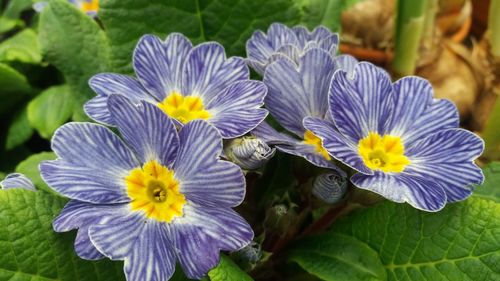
(17, 180)
(337, 145)
(269, 135)
(197, 153)
(207, 71)
(295, 93)
(361, 103)
(237, 110)
(142, 244)
(197, 252)
(158, 65)
(423, 194)
(309, 153)
(106, 84)
(447, 157)
(439, 115)
(228, 229)
(92, 164)
(260, 46)
(80, 215)
(346, 63)
(219, 183)
(148, 131)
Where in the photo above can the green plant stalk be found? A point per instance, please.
(410, 22)
(494, 27)
(491, 132)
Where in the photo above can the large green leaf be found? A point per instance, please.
(31, 250)
(75, 44)
(229, 22)
(490, 189)
(21, 47)
(19, 130)
(460, 242)
(322, 12)
(13, 87)
(227, 270)
(29, 167)
(337, 257)
(49, 110)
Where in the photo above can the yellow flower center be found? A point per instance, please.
(154, 190)
(183, 108)
(90, 6)
(313, 140)
(385, 153)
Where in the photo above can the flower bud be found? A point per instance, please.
(17, 180)
(249, 153)
(330, 187)
(251, 253)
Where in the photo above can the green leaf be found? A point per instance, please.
(227, 21)
(19, 130)
(13, 87)
(334, 256)
(31, 250)
(49, 110)
(75, 44)
(21, 47)
(227, 270)
(322, 12)
(490, 189)
(460, 242)
(15, 7)
(29, 167)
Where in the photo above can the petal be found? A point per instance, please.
(86, 184)
(143, 244)
(93, 162)
(17, 180)
(207, 72)
(298, 93)
(106, 84)
(268, 134)
(260, 46)
(196, 251)
(80, 215)
(337, 145)
(158, 64)
(145, 127)
(220, 183)
(421, 193)
(237, 110)
(447, 157)
(411, 98)
(200, 147)
(308, 152)
(228, 229)
(361, 103)
(439, 115)
(346, 63)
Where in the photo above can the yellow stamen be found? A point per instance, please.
(313, 140)
(154, 190)
(90, 6)
(383, 153)
(183, 108)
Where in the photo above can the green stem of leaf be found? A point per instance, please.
(491, 133)
(410, 22)
(494, 27)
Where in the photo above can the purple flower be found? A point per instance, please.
(298, 89)
(284, 42)
(17, 180)
(405, 144)
(186, 83)
(151, 198)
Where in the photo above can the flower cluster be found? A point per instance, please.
(161, 191)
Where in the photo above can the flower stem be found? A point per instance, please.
(410, 22)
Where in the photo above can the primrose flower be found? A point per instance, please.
(249, 152)
(156, 197)
(405, 144)
(296, 91)
(186, 83)
(282, 41)
(17, 180)
(89, 7)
